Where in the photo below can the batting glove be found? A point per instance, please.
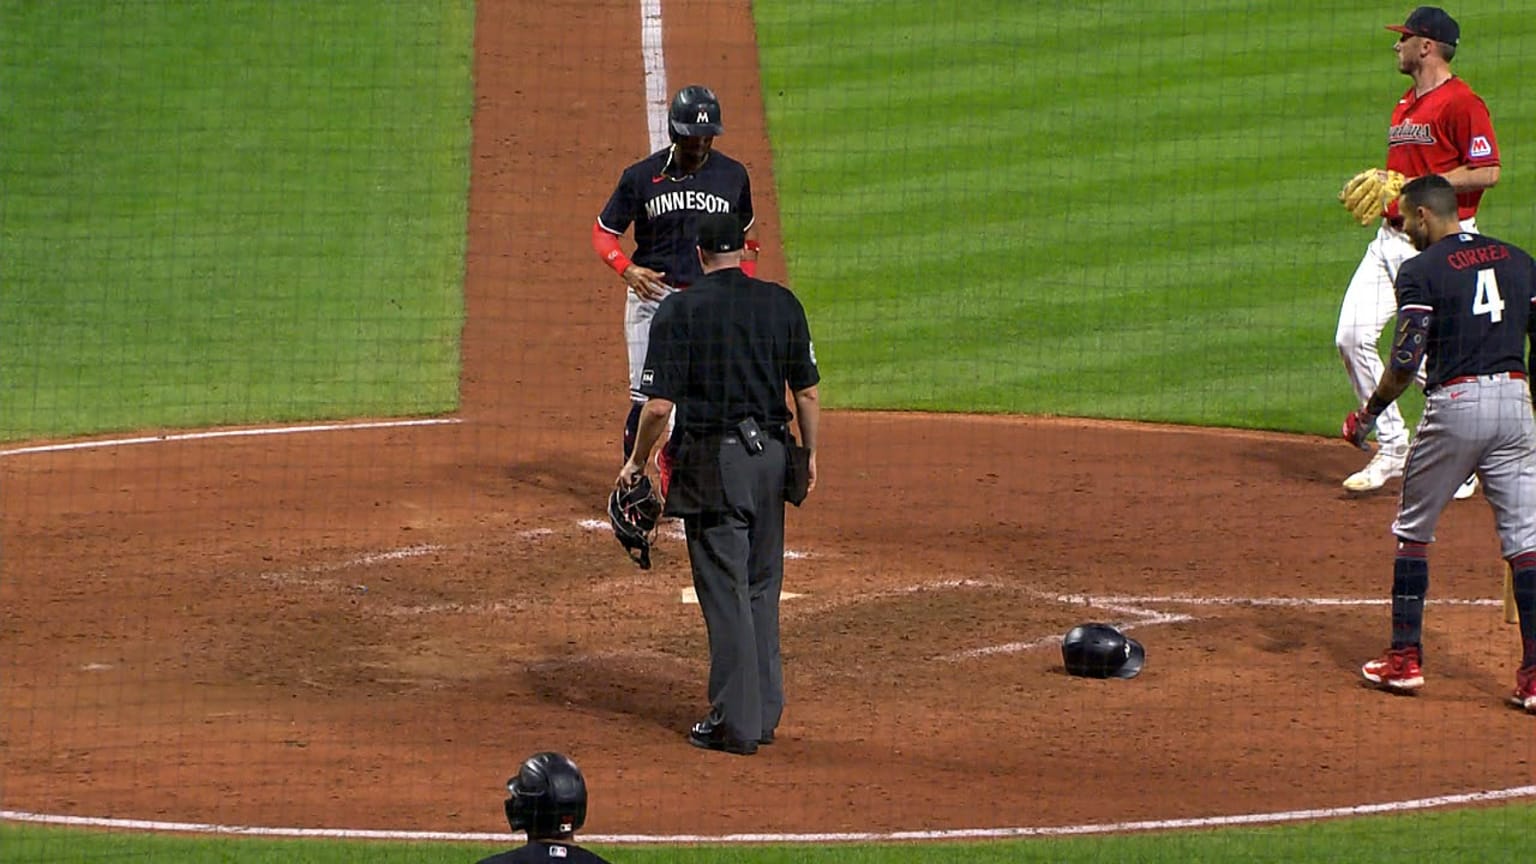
(1358, 426)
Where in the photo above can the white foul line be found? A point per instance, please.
(840, 837)
(656, 102)
(226, 433)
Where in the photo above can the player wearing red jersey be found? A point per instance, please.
(1439, 126)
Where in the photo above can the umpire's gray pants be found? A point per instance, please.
(737, 557)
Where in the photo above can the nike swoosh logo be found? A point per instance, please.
(1456, 394)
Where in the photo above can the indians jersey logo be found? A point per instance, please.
(686, 199)
(1409, 132)
(1480, 147)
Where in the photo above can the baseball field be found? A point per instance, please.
(309, 389)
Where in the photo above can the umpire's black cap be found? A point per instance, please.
(721, 232)
(1430, 22)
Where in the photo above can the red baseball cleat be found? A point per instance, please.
(1397, 670)
(1525, 689)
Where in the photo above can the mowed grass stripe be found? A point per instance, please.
(969, 190)
(230, 212)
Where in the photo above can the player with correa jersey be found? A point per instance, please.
(1464, 313)
(1439, 126)
(663, 196)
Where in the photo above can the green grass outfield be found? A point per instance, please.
(1107, 209)
(230, 211)
(1484, 836)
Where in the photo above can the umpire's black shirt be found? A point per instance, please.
(546, 852)
(723, 349)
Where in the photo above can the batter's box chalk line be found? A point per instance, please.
(1139, 611)
(672, 529)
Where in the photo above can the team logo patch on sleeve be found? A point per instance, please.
(647, 377)
(1480, 147)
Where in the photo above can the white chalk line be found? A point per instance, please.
(1390, 807)
(673, 530)
(1132, 607)
(657, 102)
(226, 433)
(1138, 608)
(1179, 599)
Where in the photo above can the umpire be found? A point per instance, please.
(722, 352)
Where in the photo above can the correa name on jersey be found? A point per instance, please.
(1465, 258)
(686, 199)
(1409, 132)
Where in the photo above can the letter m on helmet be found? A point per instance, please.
(694, 113)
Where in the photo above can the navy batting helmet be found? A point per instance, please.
(1101, 651)
(695, 113)
(547, 797)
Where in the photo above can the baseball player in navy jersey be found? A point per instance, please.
(1439, 126)
(547, 799)
(663, 196)
(1464, 312)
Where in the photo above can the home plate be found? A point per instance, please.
(691, 597)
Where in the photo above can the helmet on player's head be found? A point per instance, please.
(695, 113)
(1100, 651)
(547, 797)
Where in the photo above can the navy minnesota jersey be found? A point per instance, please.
(1478, 291)
(665, 209)
(542, 852)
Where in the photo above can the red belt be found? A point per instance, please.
(1468, 379)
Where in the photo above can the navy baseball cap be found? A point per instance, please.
(1430, 22)
(721, 232)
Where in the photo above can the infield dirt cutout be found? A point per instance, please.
(371, 628)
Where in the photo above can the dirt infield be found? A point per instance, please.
(370, 628)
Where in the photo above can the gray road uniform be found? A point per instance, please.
(1475, 292)
(723, 351)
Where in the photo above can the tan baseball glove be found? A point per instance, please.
(1368, 193)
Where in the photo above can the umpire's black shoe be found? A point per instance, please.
(766, 739)
(710, 735)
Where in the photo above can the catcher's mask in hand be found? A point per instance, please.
(634, 512)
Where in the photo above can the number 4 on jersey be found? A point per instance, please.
(1487, 301)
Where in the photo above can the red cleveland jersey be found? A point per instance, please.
(1445, 128)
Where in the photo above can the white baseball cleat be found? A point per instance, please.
(1386, 464)
(1467, 489)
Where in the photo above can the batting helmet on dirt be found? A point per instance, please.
(695, 113)
(1101, 651)
(633, 512)
(547, 797)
